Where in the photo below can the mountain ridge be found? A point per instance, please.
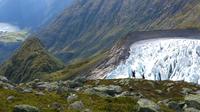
(30, 61)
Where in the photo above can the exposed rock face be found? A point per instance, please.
(29, 62)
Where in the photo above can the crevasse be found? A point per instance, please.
(161, 59)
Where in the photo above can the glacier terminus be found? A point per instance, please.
(161, 59)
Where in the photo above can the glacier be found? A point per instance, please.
(161, 59)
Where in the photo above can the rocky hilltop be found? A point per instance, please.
(29, 62)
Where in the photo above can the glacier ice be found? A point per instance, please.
(161, 59)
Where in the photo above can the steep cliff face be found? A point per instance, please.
(157, 59)
(29, 62)
(92, 26)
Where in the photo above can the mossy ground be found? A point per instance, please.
(97, 103)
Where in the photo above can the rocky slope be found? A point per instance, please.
(89, 27)
(99, 96)
(29, 62)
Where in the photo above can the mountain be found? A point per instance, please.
(29, 62)
(30, 13)
(89, 27)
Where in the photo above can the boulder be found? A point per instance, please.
(193, 101)
(186, 91)
(78, 105)
(74, 84)
(111, 90)
(191, 110)
(10, 98)
(39, 94)
(125, 82)
(133, 94)
(3, 79)
(159, 91)
(72, 97)
(170, 84)
(27, 90)
(146, 105)
(56, 106)
(25, 108)
(6, 85)
(87, 110)
(176, 105)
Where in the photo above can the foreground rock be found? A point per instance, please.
(25, 108)
(101, 90)
(193, 101)
(3, 79)
(72, 97)
(78, 105)
(147, 106)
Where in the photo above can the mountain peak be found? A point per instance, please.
(33, 44)
(29, 62)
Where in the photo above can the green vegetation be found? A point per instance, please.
(29, 62)
(149, 90)
(96, 103)
(28, 98)
(75, 69)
